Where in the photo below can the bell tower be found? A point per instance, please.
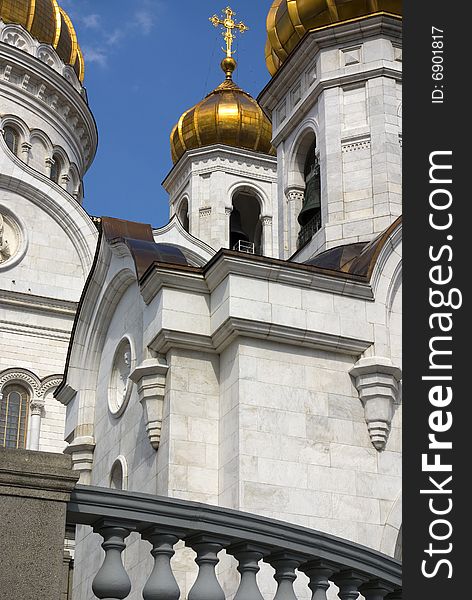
(223, 183)
(335, 103)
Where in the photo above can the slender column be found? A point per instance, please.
(206, 586)
(112, 581)
(248, 557)
(49, 164)
(375, 590)
(267, 241)
(284, 564)
(319, 572)
(36, 412)
(161, 584)
(25, 152)
(349, 583)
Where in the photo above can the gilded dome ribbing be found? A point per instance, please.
(289, 20)
(49, 24)
(228, 115)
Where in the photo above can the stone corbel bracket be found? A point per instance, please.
(150, 379)
(377, 380)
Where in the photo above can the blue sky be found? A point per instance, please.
(147, 61)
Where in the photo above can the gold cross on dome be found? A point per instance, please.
(229, 25)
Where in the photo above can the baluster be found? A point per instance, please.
(161, 584)
(349, 583)
(248, 557)
(112, 582)
(376, 589)
(285, 564)
(319, 572)
(206, 586)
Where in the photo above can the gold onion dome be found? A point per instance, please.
(228, 115)
(289, 20)
(48, 23)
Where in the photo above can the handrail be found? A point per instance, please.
(90, 505)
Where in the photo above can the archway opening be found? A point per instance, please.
(309, 217)
(183, 215)
(56, 168)
(245, 223)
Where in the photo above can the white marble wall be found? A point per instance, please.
(349, 99)
(208, 179)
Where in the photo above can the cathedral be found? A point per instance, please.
(247, 354)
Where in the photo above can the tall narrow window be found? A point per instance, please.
(12, 139)
(56, 168)
(14, 416)
(117, 476)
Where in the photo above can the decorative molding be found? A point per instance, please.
(41, 304)
(120, 384)
(377, 380)
(15, 35)
(150, 379)
(205, 212)
(38, 387)
(82, 449)
(266, 221)
(235, 327)
(351, 145)
(65, 103)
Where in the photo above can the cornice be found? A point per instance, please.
(325, 84)
(220, 152)
(235, 327)
(40, 304)
(228, 263)
(314, 41)
(51, 96)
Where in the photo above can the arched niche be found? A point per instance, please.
(182, 214)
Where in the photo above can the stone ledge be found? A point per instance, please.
(40, 475)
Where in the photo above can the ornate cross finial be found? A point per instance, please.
(229, 25)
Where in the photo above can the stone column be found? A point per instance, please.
(267, 247)
(34, 490)
(294, 197)
(37, 410)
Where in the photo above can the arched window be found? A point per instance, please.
(12, 139)
(245, 223)
(118, 476)
(310, 215)
(183, 215)
(14, 405)
(56, 168)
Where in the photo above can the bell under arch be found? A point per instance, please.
(245, 222)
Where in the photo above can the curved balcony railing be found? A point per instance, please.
(208, 530)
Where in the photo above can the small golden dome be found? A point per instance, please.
(289, 20)
(49, 24)
(228, 115)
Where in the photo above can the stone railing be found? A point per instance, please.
(208, 530)
(309, 230)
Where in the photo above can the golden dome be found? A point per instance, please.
(289, 20)
(49, 24)
(228, 115)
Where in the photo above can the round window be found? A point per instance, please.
(120, 385)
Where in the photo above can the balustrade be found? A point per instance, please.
(357, 571)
